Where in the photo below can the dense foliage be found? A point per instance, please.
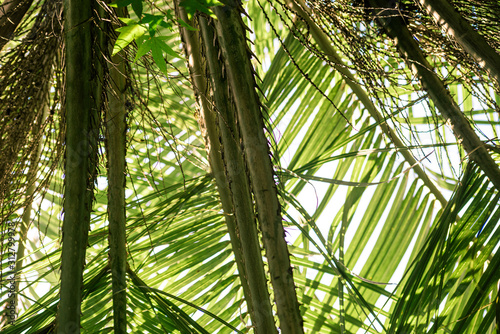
(143, 123)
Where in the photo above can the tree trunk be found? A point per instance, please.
(232, 37)
(78, 138)
(116, 127)
(237, 180)
(247, 256)
(325, 46)
(30, 193)
(11, 14)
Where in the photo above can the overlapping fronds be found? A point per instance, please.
(390, 226)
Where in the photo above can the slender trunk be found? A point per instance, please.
(11, 14)
(262, 319)
(231, 33)
(24, 73)
(239, 188)
(415, 59)
(116, 127)
(322, 40)
(76, 197)
(457, 27)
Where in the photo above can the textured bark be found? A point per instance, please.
(247, 256)
(454, 118)
(78, 147)
(116, 127)
(237, 180)
(330, 52)
(458, 28)
(231, 35)
(11, 14)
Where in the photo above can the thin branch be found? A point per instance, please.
(323, 42)
(231, 33)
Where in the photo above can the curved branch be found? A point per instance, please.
(409, 49)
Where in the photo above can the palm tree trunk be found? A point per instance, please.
(457, 27)
(231, 35)
(239, 188)
(441, 97)
(116, 127)
(76, 196)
